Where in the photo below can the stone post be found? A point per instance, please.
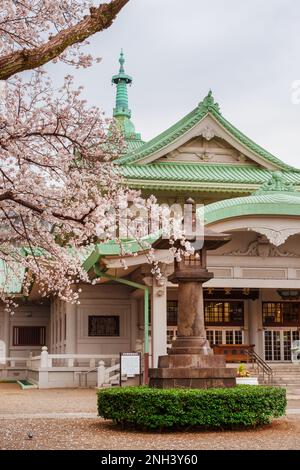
(44, 357)
(43, 380)
(100, 374)
(70, 362)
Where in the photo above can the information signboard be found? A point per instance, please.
(130, 364)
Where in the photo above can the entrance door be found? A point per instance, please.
(278, 344)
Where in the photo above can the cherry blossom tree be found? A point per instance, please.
(59, 188)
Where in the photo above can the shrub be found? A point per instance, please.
(152, 408)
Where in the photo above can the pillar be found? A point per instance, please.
(158, 319)
(190, 310)
(254, 326)
(71, 328)
(133, 322)
(6, 333)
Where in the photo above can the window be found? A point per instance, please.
(214, 336)
(234, 337)
(104, 325)
(29, 335)
(224, 313)
(172, 312)
(224, 336)
(281, 313)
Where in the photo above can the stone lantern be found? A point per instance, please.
(190, 361)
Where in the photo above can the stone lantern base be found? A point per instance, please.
(191, 364)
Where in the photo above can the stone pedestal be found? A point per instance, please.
(190, 362)
(192, 378)
(192, 371)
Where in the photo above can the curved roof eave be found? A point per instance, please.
(263, 204)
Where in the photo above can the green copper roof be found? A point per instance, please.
(214, 176)
(133, 145)
(275, 197)
(112, 248)
(11, 281)
(121, 111)
(207, 106)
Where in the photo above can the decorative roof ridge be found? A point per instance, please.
(277, 184)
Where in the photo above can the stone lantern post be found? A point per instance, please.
(190, 361)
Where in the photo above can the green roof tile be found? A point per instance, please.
(164, 173)
(11, 281)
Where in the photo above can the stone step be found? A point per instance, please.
(291, 388)
(286, 374)
(286, 377)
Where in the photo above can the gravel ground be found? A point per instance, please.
(98, 434)
(17, 401)
(65, 419)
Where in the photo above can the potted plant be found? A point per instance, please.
(243, 376)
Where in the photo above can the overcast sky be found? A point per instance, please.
(246, 51)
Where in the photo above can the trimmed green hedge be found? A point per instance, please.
(152, 408)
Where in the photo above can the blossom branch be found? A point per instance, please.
(99, 19)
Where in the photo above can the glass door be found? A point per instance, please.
(278, 344)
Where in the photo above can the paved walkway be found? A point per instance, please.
(67, 419)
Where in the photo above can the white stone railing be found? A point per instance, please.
(107, 375)
(13, 361)
(67, 370)
(76, 361)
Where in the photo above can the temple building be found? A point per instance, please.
(254, 297)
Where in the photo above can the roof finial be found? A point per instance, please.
(121, 80)
(209, 103)
(121, 60)
(121, 110)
